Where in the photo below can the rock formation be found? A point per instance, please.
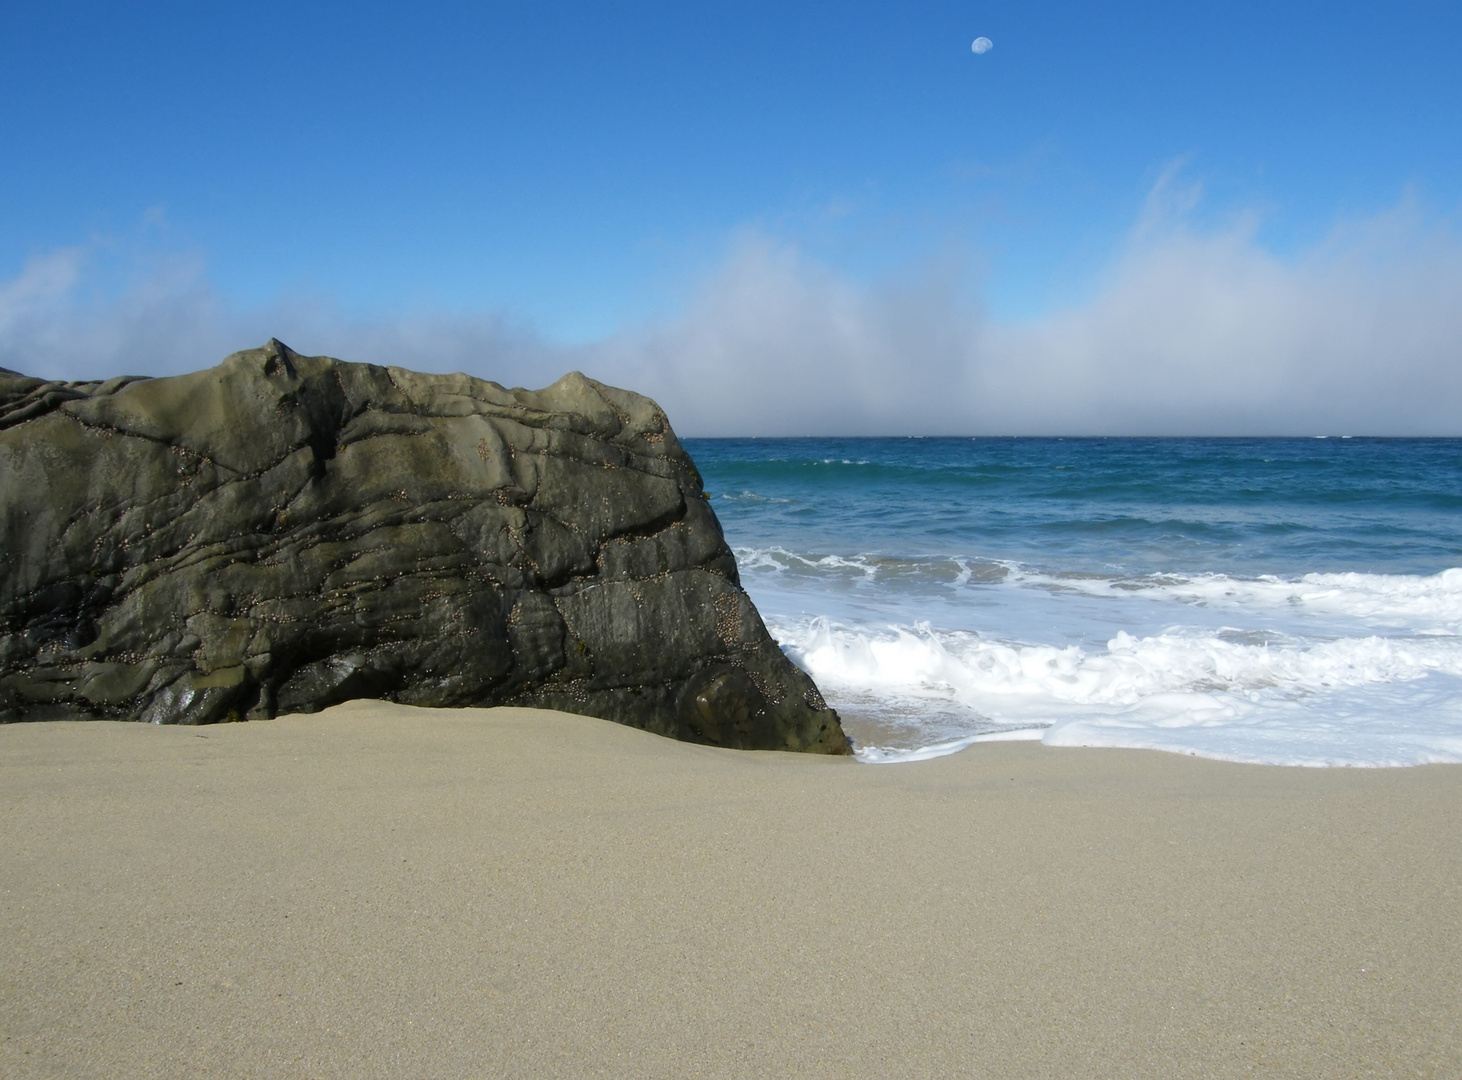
(281, 533)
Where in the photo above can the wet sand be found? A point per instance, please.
(378, 891)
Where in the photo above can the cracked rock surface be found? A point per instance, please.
(281, 533)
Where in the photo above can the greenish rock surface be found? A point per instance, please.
(282, 532)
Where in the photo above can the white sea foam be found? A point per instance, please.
(780, 559)
(1130, 670)
(1281, 700)
(925, 656)
(1395, 600)
(1431, 603)
(888, 755)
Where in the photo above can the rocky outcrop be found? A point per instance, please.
(281, 533)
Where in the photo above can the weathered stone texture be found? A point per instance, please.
(282, 532)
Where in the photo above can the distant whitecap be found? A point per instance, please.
(982, 45)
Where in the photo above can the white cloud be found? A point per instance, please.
(776, 344)
(57, 322)
(1207, 332)
(1189, 330)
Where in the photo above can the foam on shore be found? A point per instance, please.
(1320, 670)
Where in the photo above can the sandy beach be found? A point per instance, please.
(384, 891)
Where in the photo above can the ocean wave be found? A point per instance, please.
(752, 497)
(1276, 600)
(1396, 600)
(936, 569)
(937, 691)
(1430, 604)
(781, 560)
(1131, 669)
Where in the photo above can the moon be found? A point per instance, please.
(981, 45)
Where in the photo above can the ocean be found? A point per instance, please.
(1283, 601)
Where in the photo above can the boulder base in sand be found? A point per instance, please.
(282, 532)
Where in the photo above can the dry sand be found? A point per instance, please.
(379, 891)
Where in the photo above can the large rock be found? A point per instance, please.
(282, 532)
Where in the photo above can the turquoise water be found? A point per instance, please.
(1291, 601)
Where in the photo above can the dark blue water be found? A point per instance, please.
(1233, 506)
(1283, 600)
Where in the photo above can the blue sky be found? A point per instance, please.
(514, 189)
